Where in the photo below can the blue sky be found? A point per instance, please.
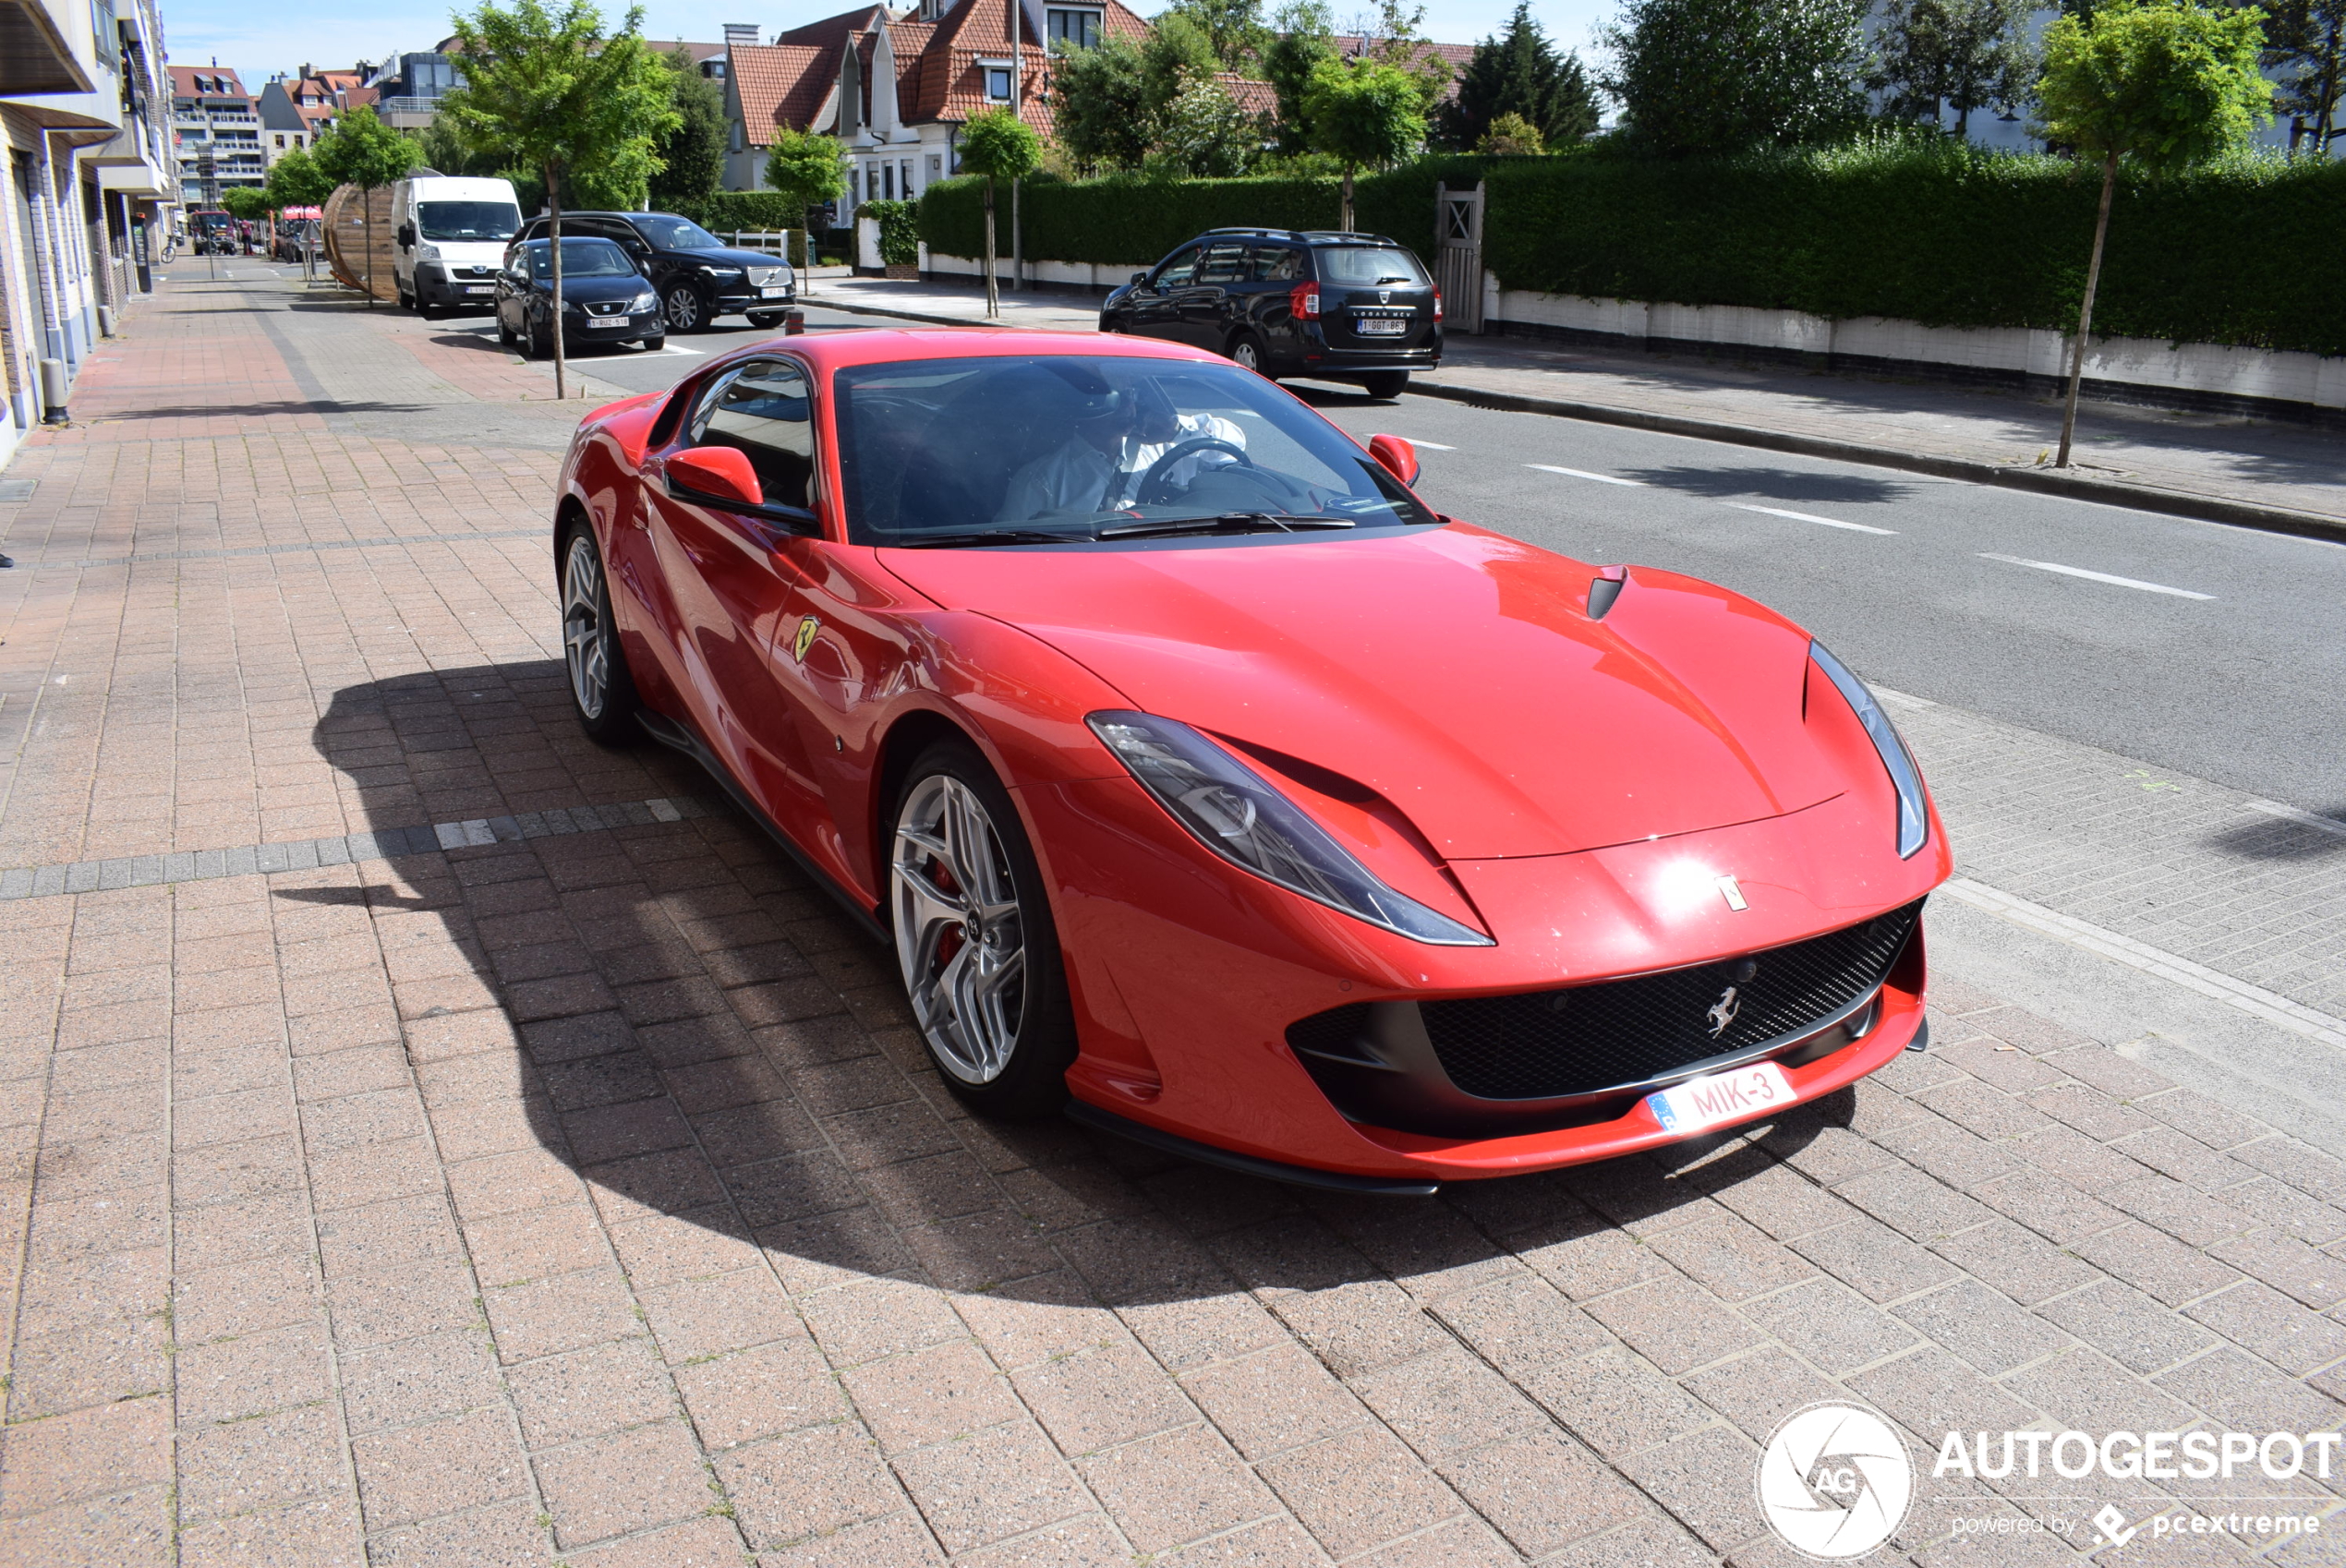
(260, 38)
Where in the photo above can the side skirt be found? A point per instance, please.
(680, 737)
(1091, 1115)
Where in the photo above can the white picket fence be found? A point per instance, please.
(789, 244)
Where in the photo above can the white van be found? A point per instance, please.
(448, 240)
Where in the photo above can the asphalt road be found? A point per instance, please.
(2215, 651)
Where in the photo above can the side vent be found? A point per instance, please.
(1604, 588)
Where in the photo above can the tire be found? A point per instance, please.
(766, 320)
(407, 300)
(1386, 384)
(653, 345)
(1002, 1038)
(540, 344)
(504, 332)
(602, 690)
(1246, 353)
(684, 309)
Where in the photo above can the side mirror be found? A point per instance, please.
(1138, 279)
(722, 472)
(407, 236)
(1396, 455)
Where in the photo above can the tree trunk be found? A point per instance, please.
(1018, 241)
(366, 200)
(1345, 225)
(554, 243)
(992, 295)
(2086, 310)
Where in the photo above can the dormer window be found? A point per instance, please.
(1078, 28)
(997, 83)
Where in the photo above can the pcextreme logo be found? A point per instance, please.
(1835, 1481)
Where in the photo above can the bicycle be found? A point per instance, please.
(170, 249)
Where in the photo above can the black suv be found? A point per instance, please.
(1287, 302)
(697, 276)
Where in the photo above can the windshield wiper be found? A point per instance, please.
(989, 537)
(1227, 523)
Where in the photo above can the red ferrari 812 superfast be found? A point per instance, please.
(1212, 787)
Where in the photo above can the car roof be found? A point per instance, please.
(890, 344)
(1315, 237)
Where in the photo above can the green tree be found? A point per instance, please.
(441, 148)
(557, 94)
(295, 180)
(1305, 39)
(1512, 136)
(1203, 134)
(1519, 72)
(2305, 46)
(1718, 75)
(1233, 28)
(1364, 113)
(361, 151)
(2165, 85)
(806, 168)
(692, 157)
(1178, 53)
(247, 203)
(1100, 104)
(999, 146)
(1960, 54)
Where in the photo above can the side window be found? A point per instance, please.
(1277, 264)
(1177, 272)
(763, 410)
(1223, 263)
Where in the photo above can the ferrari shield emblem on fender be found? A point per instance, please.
(1722, 1011)
(805, 638)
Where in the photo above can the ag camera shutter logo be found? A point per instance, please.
(1835, 1481)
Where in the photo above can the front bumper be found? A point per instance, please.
(579, 327)
(741, 301)
(1187, 975)
(438, 284)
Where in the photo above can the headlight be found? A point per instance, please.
(1914, 815)
(722, 271)
(646, 300)
(428, 253)
(1237, 815)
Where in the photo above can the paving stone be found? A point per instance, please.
(1831, 1326)
(2126, 1325)
(1358, 1490)
(807, 1483)
(1704, 1480)
(1672, 1322)
(1000, 1483)
(1981, 1326)
(2258, 1318)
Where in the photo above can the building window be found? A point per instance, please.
(281, 140)
(997, 83)
(1079, 29)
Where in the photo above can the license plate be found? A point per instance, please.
(1706, 1101)
(480, 288)
(776, 291)
(607, 322)
(1380, 326)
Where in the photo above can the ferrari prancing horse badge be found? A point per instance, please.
(805, 638)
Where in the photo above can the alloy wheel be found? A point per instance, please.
(961, 935)
(683, 309)
(583, 645)
(1246, 356)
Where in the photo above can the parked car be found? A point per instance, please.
(1215, 790)
(295, 236)
(1288, 302)
(605, 300)
(449, 240)
(213, 231)
(697, 276)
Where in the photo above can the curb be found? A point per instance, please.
(822, 303)
(2041, 481)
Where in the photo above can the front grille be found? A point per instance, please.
(765, 277)
(1584, 1038)
(607, 307)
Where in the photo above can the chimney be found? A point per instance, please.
(737, 33)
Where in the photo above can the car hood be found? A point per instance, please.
(582, 291)
(1452, 671)
(728, 257)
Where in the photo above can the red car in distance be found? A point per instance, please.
(1212, 787)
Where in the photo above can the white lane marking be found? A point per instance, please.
(2303, 818)
(1805, 517)
(1430, 446)
(1584, 474)
(1897, 698)
(2095, 576)
(2273, 1009)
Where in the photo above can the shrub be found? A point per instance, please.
(899, 230)
(756, 210)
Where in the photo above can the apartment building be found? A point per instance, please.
(218, 128)
(85, 133)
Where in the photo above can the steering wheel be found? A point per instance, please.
(1144, 494)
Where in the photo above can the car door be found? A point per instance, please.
(1156, 313)
(1204, 306)
(731, 575)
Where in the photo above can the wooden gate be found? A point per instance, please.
(1457, 267)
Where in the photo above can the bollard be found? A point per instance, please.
(105, 320)
(793, 323)
(53, 391)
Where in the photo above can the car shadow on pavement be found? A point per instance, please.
(676, 1013)
(2282, 838)
(1775, 484)
(262, 410)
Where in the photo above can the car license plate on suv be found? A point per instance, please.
(774, 291)
(1719, 1097)
(1381, 326)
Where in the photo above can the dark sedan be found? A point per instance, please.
(605, 300)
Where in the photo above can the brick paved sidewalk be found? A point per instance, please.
(581, 1193)
(2258, 463)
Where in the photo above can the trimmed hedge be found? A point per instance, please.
(900, 236)
(1928, 231)
(765, 212)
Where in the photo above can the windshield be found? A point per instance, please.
(1070, 446)
(468, 220)
(667, 232)
(581, 258)
(1365, 266)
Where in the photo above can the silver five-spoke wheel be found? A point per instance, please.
(959, 934)
(584, 647)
